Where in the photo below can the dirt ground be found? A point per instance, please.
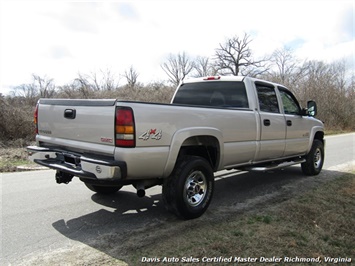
(15, 159)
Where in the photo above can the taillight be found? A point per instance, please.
(124, 128)
(35, 118)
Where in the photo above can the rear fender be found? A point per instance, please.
(179, 138)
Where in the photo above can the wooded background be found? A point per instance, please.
(331, 85)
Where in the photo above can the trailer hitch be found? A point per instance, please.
(62, 177)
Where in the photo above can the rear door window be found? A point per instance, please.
(267, 98)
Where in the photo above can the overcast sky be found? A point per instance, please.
(60, 39)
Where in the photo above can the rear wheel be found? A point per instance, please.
(103, 189)
(188, 191)
(314, 159)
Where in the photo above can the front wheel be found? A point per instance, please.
(314, 159)
(189, 189)
(103, 189)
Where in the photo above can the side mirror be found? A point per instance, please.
(312, 108)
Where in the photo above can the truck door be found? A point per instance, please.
(297, 126)
(272, 123)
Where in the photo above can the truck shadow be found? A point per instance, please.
(126, 222)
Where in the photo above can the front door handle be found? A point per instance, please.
(289, 123)
(267, 122)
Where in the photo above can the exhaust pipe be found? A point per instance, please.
(141, 186)
(140, 193)
(140, 189)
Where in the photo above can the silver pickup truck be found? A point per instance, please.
(212, 123)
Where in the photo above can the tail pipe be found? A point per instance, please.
(140, 190)
(143, 185)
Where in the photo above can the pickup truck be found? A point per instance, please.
(212, 124)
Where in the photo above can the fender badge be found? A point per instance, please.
(152, 133)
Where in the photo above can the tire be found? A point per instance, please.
(103, 189)
(188, 191)
(314, 159)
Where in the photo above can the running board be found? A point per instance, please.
(262, 168)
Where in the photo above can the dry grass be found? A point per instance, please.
(317, 224)
(12, 155)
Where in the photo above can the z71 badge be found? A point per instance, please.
(151, 134)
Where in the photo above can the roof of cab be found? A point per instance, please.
(214, 78)
(227, 78)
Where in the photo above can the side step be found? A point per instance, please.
(262, 168)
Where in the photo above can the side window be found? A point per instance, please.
(267, 98)
(289, 102)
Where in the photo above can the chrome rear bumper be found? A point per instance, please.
(91, 167)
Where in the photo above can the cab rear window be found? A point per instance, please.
(220, 94)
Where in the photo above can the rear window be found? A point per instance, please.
(213, 94)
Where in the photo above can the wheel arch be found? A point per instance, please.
(320, 136)
(204, 142)
(316, 133)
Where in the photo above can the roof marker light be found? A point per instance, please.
(212, 78)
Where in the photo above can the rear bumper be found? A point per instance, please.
(88, 167)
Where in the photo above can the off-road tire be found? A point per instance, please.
(103, 189)
(314, 159)
(188, 191)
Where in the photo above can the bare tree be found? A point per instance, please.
(106, 81)
(286, 64)
(97, 84)
(45, 86)
(39, 88)
(235, 57)
(27, 91)
(110, 80)
(325, 83)
(203, 67)
(68, 91)
(82, 85)
(177, 67)
(131, 76)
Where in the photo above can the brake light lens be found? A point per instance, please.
(35, 118)
(125, 129)
(212, 78)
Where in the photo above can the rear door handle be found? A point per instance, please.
(267, 122)
(70, 113)
(289, 123)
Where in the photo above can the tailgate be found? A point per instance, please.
(90, 121)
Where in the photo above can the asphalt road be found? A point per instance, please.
(40, 217)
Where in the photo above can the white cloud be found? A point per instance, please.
(61, 38)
